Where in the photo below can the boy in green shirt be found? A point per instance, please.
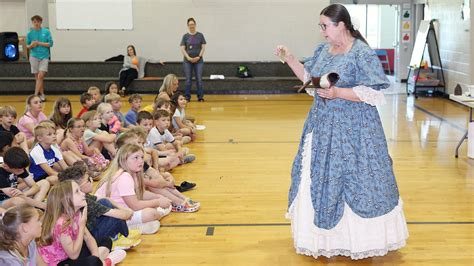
(39, 41)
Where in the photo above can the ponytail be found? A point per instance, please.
(9, 223)
(338, 13)
(356, 34)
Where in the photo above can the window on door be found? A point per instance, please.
(378, 23)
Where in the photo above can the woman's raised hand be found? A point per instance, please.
(282, 52)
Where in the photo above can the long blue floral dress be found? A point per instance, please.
(344, 198)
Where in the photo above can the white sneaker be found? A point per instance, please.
(185, 139)
(185, 150)
(163, 212)
(116, 256)
(42, 97)
(146, 228)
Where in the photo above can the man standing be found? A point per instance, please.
(39, 41)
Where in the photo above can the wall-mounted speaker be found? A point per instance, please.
(9, 46)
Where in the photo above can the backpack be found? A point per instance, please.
(118, 58)
(243, 72)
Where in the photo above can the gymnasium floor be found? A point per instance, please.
(243, 173)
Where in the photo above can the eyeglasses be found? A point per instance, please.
(89, 180)
(325, 26)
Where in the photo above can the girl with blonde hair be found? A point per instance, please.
(123, 182)
(32, 116)
(65, 239)
(169, 87)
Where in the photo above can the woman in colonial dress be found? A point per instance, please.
(344, 198)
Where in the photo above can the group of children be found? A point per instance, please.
(50, 212)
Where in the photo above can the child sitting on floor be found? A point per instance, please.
(61, 114)
(74, 142)
(109, 122)
(96, 138)
(123, 183)
(114, 100)
(65, 239)
(12, 172)
(180, 123)
(135, 101)
(163, 140)
(105, 218)
(160, 183)
(19, 227)
(46, 158)
(7, 120)
(165, 160)
(87, 101)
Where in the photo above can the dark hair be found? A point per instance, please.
(133, 48)
(108, 85)
(175, 97)
(16, 158)
(59, 119)
(160, 113)
(6, 139)
(85, 97)
(189, 20)
(338, 13)
(37, 17)
(74, 172)
(143, 115)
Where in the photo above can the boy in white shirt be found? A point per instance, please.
(162, 140)
(46, 158)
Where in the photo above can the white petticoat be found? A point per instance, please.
(353, 236)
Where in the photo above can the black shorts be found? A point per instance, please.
(41, 177)
(145, 167)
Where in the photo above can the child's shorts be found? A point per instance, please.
(145, 167)
(38, 65)
(41, 177)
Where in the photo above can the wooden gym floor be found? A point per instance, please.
(243, 172)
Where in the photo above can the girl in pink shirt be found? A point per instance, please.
(123, 183)
(32, 116)
(65, 239)
(74, 142)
